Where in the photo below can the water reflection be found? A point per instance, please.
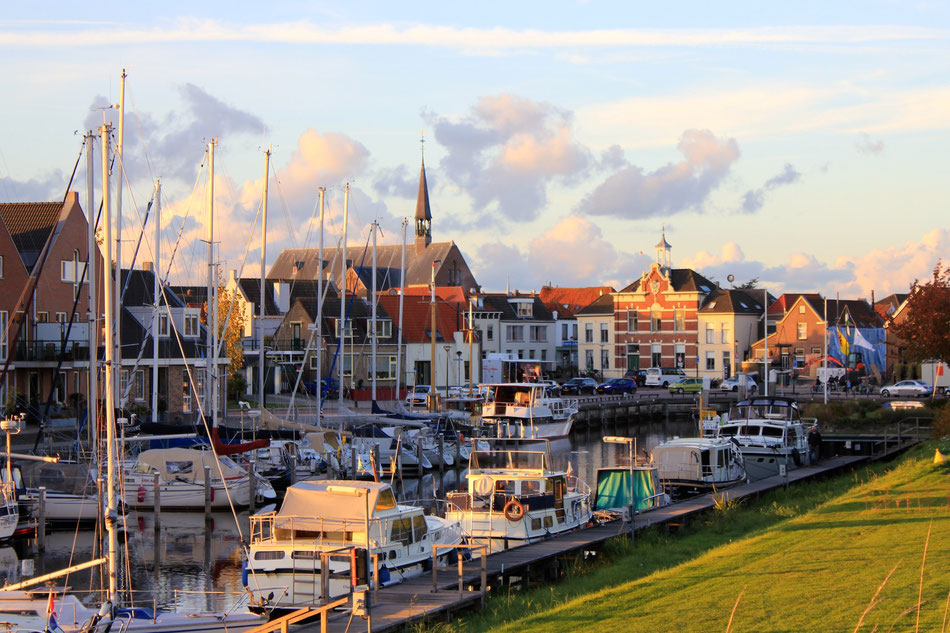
(190, 564)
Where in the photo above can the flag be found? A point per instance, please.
(570, 470)
(51, 624)
(843, 343)
(860, 341)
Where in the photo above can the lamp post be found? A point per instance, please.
(631, 444)
(446, 348)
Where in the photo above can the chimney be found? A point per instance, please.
(147, 267)
(282, 296)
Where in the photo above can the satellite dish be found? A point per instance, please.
(731, 278)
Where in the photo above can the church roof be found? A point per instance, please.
(681, 280)
(422, 199)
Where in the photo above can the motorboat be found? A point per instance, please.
(527, 410)
(181, 473)
(514, 496)
(317, 527)
(693, 464)
(770, 434)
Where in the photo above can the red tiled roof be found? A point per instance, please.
(568, 301)
(785, 302)
(451, 294)
(417, 317)
(30, 225)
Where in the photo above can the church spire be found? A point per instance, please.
(423, 213)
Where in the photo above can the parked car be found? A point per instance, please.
(664, 376)
(618, 386)
(551, 387)
(578, 386)
(331, 388)
(640, 375)
(733, 384)
(687, 385)
(419, 395)
(912, 388)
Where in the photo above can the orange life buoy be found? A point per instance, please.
(514, 511)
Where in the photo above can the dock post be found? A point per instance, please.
(441, 453)
(41, 519)
(157, 487)
(207, 493)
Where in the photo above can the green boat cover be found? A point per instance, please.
(613, 489)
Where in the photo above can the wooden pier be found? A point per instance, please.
(397, 606)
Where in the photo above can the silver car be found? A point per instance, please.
(913, 388)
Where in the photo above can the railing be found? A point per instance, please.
(483, 585)
(269, 528)
(50, 350)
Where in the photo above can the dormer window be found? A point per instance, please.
(524, 309)
(298, 266)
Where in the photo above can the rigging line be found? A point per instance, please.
(138, 127)
(181, 229)
(287, 218)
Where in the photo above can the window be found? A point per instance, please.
(816, 350)
(385, 368)
(605, 359)
(565, 332)
(525, 309)
(163, 325)
(679, 320)
(544, 354)
(349, 329)
(802, 331)
(656, 318)
(490, 333)
(60, 387)
(347, 365)
(801, 309)
(60, 317)
(384, 328)
(604, 333)
(680, 351)
(538, 333)
(726, 363)
(42, 317)
(191, 325)
(710, 333)
(520, 353)
(135, 390)
(724, 334)
(710, 361)
(632, 323)
(656, 355)
(588, 359)
(515, 333)
(4, 325)
(588, 332)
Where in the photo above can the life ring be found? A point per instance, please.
(514, 511)
(796, 457)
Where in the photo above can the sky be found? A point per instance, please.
(800, 144)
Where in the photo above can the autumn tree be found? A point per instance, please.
(230, 331)
(924, 323)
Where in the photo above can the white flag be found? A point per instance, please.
(860, 341)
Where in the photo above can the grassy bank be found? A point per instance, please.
(809, 559)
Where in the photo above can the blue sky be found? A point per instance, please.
(803, 144)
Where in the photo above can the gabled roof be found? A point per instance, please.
(733, 301)
(601, 306)
(569, 301)
(681, 280)
(785, 302)
(888, 306)
(386, 278)
(137, 290)
(417, 318)
(451, 294)
(30, 225)
(855, 312)
(251, 287)
(500, 303)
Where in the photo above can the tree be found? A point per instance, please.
(924, 323)
(233, 335)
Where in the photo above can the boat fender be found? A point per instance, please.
(483, 486)
(796, 457)
(514, 511)
(141, 523)
(384, 575)
(426, 565)
(141, 494)
(452, 557)
(466, 555)
(211, 494)
(244, 574)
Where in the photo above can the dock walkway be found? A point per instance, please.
(396, 606)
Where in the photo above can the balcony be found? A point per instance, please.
(50, 350)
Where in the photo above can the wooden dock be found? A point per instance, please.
(399, 605)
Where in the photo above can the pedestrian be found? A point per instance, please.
(814, 444)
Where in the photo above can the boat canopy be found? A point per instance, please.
(336, 500)
(185, 463)
(761, 408)
(61, 477)
(613, 488)
(508, 459)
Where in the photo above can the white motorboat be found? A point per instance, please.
(527, 410)
(514, 497)
(181, 474)
(699, 463)
(770, 434)
(284, 567)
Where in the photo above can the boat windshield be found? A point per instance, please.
(507, 460)
(513, 394)
(764, 410)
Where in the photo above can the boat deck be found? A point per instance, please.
(399, 605)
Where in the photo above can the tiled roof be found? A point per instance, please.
(30, 225)
(860, 312)
(601, 306)
(451, 294)
(733, 301)
(251, 287)
(569, 301)
(887, 306)
(500, 303)
(682, 280)
(417, 318)
(137, 289)
(785, 302)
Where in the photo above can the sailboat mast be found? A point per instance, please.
(211, 392)
(118, 232)
(342, 328)
(375, 338)
(432, 342)
(471, 339)
(402, 296)
(91, 250)
(157, 294)
(260, 311)
(319, 326)
(110, 386)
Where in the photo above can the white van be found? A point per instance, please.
(663, 376)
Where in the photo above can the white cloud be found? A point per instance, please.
(889, 270)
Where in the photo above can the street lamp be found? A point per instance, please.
(631, 443)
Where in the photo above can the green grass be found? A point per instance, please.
(807, 560)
